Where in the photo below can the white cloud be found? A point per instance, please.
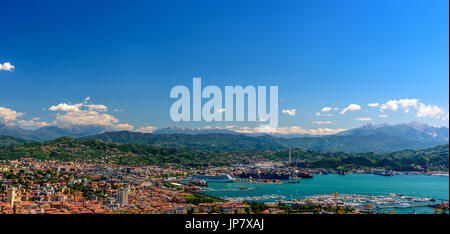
(404, 104)
(148, 129)
(364, 119)
(322, 122)
(77, 107)
(87, 117)
(383, 116)
(326, 109)
(375, 104)
(320, 114)
(429, 111)
(289, 112)
(351, 107)
(423, 110)
(66, 107)
(87, 114)
(7, 67)
(33, 122)
(8, 114)
(124, 127)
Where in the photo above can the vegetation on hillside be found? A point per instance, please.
(8, 141)
(70, 149)
(380, 143)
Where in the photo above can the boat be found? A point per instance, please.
(404, 205)
(383, 172)
(269, 176)
(212, 178)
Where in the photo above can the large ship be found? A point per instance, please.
(212, 178)
(383, 172)
(270, 176)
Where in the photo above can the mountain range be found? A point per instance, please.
(94, 151)
(380, 138)
(51, 132)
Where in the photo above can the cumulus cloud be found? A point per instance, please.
(364, 119)
(124, 127)
(8, 114)
(404, 104)
(87, 114)
(289, 112)
(375, 104)
(7, 67)
(351, 107)
(423, 110)
(33, 122)
(326, 109)
(87, 117)
(429, 111)
(147, 129)
(66, 107)
(77, 107)
(322, 122)
(383, 116)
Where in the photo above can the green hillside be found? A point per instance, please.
(232, 142)
(203, 142)
(70, 149)
(10, 141)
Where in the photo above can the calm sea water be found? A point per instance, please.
(436, 187)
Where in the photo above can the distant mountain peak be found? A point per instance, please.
(414, 131)
(52, 132)
(192, 131)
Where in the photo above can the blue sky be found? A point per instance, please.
(127, 57)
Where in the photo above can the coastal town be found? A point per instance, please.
(31, 186)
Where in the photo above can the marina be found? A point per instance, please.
(416, 190)
(367, 203)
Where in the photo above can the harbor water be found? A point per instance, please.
(436, 187)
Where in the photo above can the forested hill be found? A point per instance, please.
(377, 143)
(381, 138)
(70, 149)
(7, 141)
(203, 142)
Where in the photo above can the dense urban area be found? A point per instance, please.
(72, 176)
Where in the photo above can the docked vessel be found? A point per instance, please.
(212, 178)
(269, 176)
(383, 172)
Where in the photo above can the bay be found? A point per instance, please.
(436, 187)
